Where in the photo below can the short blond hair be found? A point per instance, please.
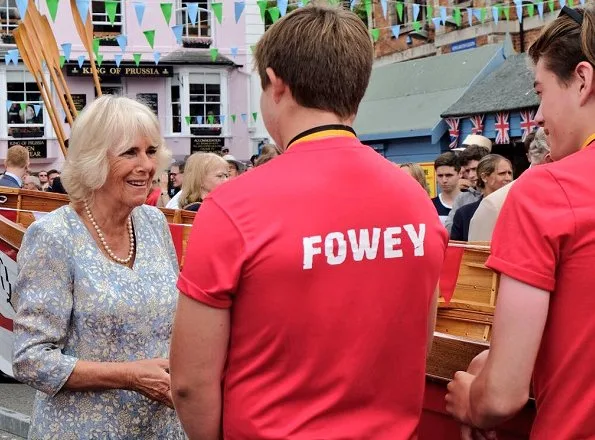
(418, 174)
(324, 55)
(198, 166)
(109, 125)
(17, 157)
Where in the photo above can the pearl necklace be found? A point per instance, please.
(104, 243)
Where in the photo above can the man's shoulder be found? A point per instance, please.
(8, 181)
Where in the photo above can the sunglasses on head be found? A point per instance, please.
(572, 13)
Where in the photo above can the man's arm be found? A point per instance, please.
(198, 351)
(501, 389)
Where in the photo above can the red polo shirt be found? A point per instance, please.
(328, 257)
(545, 237)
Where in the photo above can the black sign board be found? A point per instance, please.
(122, 71)
(80, 101)
(38, 148)
(206, 144)
(150, 100)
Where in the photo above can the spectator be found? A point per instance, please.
(16, 163)
(52, 174)
(447, 169)
(177, 178)
(277, 335)
(417, 172)
(32, 183)
(204, 172)
(267, 153)
(43, 180)
(235, 167)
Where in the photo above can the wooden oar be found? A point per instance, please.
(85, 31)
(33, 64)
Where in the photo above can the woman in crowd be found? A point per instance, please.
(31, 183)
(417, 172)
(204, 172)
(493, 172)
(95, 293)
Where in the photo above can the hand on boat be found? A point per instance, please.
(457, 398)
(150, 377)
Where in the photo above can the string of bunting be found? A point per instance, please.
(219, 119)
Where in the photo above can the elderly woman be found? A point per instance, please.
(95, 293)
(203, 173)
(493, 172)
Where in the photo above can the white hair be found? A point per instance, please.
(110, 124)
(538, 148)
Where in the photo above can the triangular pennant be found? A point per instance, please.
(430, 11)
(495, 14)
(156, 57)
(416, 26)
(118, 59)
(368, 6)
(150, 36)
(7, 59)
(110, 9)
(83, 8)
(415, 8)
(262, 4)
(540, 10)
(507, 13)
(233, 118)
(37, 108)
(8, 105)
(470, 16)
(22, 7)
(23, 106)
(177, 30)
(384, 4)
(253, 48)
(166, 10)
(99, 59)
(122, 42)
(14, 55)
(436, 21)
(188, 119)
(239, 8)
(217, 8)
(519, 11)
(96, 46)
(192, 12)
(531, 9)
(211, 119)
(477, 13)
(66, 49)
(551, 5)
(458, 17)
(274, 13)
(282, 5)
(571, 3)
(81, 60)
(139, 9)
(52, 8)
(214, 53)
(234, 52)
(137, 57)
(582, 2)
(199, 120)
(62, 61)
(399, 7)
(244, 117)
(443, 15)
(375, 34)
(396, 30)
(222, 119)
(254, 116)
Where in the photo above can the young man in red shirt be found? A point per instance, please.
(308, 284)
(544, 247)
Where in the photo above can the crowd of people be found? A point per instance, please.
(306, 305)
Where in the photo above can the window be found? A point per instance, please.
(25, 115)
(205, 104)
(176, 109)
(101, 22)
(202, 28)
(9, 16)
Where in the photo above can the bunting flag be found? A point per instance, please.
(528, 123)
(99, 59)
(110, 9)
(255, 116)
(531, 9)
(222, 119)
(540, 10)
(234, 52)
(551, 5)
(384, 5)
(22, 7)
(458, 18)
(375, 34)
(415, 8)
(8, 105)
(470, 16)
(399, 6)
(156, 57)
(519, 10)
(66, 49)
(211, 119)
(214, 53)
(368, 6)
(37, 108)
(81, 60)
(96, 46)
(233, 118)
(416, 26)
(139, 9)
(244, 117)
(150, 36)
(118, 59)
(453, 131)
(507, 13)
(52, 8)
(262, 4)
(274, 13)
(192, 12)
(188, 119)
(253, 48)
(477, 14)
(23, 106)
(137, 57)
(502, 128)
(443, 15)
(217, 8)
(239, 8)
(483, 14)
(62, 61)
(166, 9)
(396, 30)
(7, 59)
(477, 122)
(199, 120)
(282, 5)
(562, 3)
(436, 21)
(495, 14)
(122, 42)
(429, 11)
(177, 30)
(83, 8)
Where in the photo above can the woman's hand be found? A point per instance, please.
(150, 377)
(457, 398)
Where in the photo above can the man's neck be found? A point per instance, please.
(18, 172)
(449, 197)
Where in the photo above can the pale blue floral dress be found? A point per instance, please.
(73, 303)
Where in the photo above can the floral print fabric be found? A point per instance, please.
(72, 302)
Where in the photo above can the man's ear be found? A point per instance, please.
(585, 74)
(279, 88)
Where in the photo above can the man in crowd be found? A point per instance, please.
(43, 180)
(469, 159)
(16, 163)
(448, 170)
(235, 167)
(176, 174)
(52, 174)
(333, 301)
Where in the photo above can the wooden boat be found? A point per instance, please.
(463, 326)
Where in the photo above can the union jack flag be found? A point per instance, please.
(528, 123)
(502, 128)
(453, 131)
(477, 122)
